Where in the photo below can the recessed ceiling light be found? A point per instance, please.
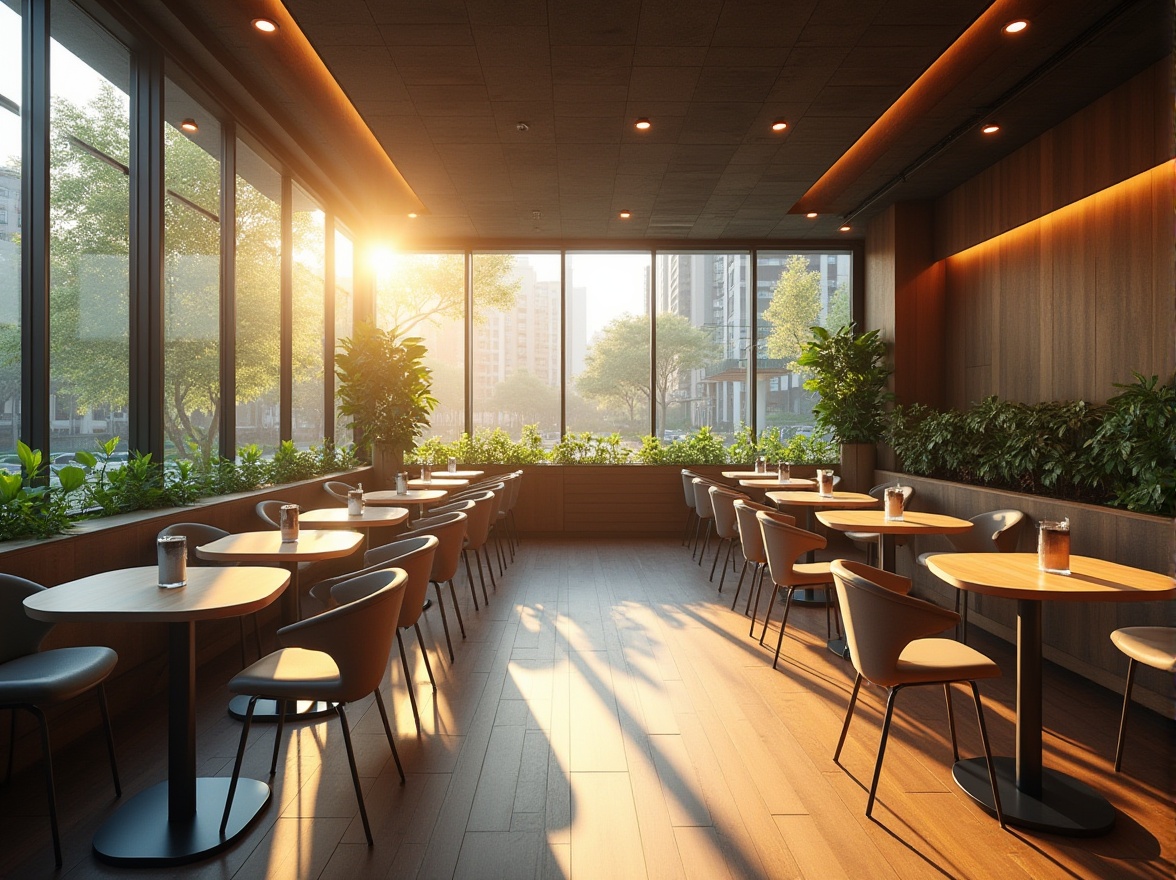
(1015, 27)
(412, 215)
(265, 25)
(779, 125)
(189, 125)
(642, 124)
(990, 128)
(812, 215)
(846, 228)
(625, 215)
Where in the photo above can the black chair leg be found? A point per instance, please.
(456, 608)
(768, 613)
(757, 583)
(388, 731)
(367, 830)
(425, 655)
(469, 573)
(783, 624)
(489, 566)
(857, 686)
(237, 764)
(278, 736)
(482, 577)
(739, 585)
(50, 788)
(408, 680)
(955, 750)
(105, 710)
(686, 529)
(988, 754)
(1123, 714)
(705, 541)
(444, 622)
(881, 748)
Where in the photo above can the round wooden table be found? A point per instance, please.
(339, 518)
(1030, 795)
(176, 821)
(442, 482)
(913, 522)
(311, 546)
(749, 475)
(457, 475)
(417, 498)
(770, 482)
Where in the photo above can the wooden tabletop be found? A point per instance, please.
(443, 482)
(1016, 576)
(814, 499)
(339, 518)
(874, 521)
(412, 496)
(134, 594)
(773, 483)
(456, 475)
(268, 546)
(749, 475)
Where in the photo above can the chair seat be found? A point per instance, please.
(1153, 646)
(811, 573)
(923, 557)
(926, 660)
(291, 672)
(55, 675)
(862, 536)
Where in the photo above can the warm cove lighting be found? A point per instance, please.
(812, 215)
(990, 128)
(642, 124)
(1015, 27)
(625, 215)
(779, 125)
(265, 25)
(846, 228)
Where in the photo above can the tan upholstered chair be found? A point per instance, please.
(887, 632)
(688, 495)
(751, 539)
(31, 678)
(337, 657)
(996, 531)
(1153, 646)
(784, 543)
(201, 533)
(337, 489)
(706, 513)
(450, 530)
(726, 526)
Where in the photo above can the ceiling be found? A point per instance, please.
(444, 84)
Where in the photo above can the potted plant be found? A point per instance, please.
(849, 372)
(383, 390)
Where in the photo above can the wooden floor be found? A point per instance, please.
(607, 716)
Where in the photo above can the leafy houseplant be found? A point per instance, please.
(384, 390)
(849, 372)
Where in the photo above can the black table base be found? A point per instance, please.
(139, 834)
(1065, 805)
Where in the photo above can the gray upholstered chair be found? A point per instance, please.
(688, 496)
(751, 539)
(887, 632)
(271, 511)
(337, 657)
(996, 531)
(1153, 646)
(31, 678)
(202, 533)
(337, 489)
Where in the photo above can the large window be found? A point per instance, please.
(344, 314)
(703, 342)
(89, 233)
(10, 189)
(258, 299)
(424, 295)
(795, 290)
(309, 279)
(516, 372)
(607, 351)
(191, 275)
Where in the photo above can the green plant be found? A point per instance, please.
(586, 448)
(1135, 446)
(849, 373)
(384, 386)
(28, 507)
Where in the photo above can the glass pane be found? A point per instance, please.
(258, 299)
(516, 343)
(703, 337)
(10, 187)
(344, 312)
(89, 245)
(191, 275)
(424, 295)
(309, 319)
(608, 343)
(795, 291)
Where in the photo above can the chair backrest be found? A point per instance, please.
(880, 621)
(702, 502)
(750, 536)
(414, 556)
(516, 486)
(453, 507)
(478, 526)
(504, 494)
(337, 489)
(357, 635)
(450, 530)
(784, 543)
(271, 511)
(688, 488)
(197, 534)
(723, 504)
(494, 487)
(908, 491)
(19, 633)
(996, 531)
